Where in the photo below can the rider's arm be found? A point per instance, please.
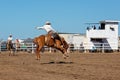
(39, 28)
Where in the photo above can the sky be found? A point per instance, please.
(20, 17)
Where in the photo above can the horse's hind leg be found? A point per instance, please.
(38, 52)
(65, 54)
(10, 52)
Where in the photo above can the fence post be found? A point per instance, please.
(32, 48)
(103, 48)
(0, 47)
(50, 49)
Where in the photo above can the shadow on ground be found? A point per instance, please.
(60, 62)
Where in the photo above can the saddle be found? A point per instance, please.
(53, 36)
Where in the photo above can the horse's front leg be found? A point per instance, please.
(10, 52)
(38, 49)
(37, 54)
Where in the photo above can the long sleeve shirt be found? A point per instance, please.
(47, 28)
(10, 38)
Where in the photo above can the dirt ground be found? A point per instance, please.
(52, 66)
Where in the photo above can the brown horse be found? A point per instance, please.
(10, 47)
(43, 40)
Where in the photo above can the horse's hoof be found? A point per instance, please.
(66, 54)
(37, 59)
(65, 57)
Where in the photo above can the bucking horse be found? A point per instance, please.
(46, 40)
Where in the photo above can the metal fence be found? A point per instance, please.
(23, 47)
(30, 47)
(95, 47)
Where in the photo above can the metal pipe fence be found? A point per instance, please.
(82, 48)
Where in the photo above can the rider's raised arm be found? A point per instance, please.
(39, 28)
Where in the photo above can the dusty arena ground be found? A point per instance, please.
(52, 66)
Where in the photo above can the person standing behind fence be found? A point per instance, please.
(17, 44)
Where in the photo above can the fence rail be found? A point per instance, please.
(31, 47)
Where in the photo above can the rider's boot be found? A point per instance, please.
(53, 38)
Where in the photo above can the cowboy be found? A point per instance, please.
(9, 41)
(10, 38)
(48, 28)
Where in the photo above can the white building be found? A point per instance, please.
(74, 38)
(105, 37)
